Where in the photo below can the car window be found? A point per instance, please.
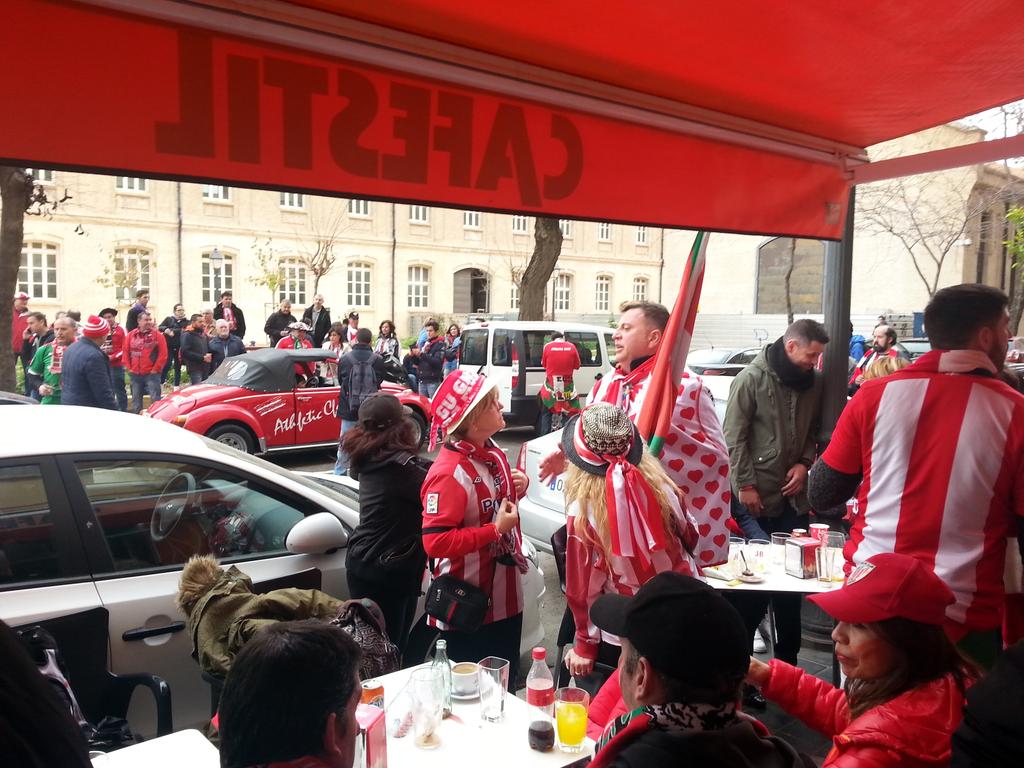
(746, 357)
(28, 547)
(473, 350)
(502, 351)
(588, 347)
(156, 513)
(534, 342)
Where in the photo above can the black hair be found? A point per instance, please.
(556, 335)
(721, 687)
(806, 331)
(364, 336)
(37, 316)
(431, 324)
(655, 314)
(956, 313)
(391, 325)
(281, 689)
(36, 728)
(141, 292)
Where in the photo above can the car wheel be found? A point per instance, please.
(233, 435)
(419, 427)
(420, 645)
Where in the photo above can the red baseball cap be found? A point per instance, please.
(888, 586)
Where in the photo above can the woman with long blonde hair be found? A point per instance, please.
(624, 524)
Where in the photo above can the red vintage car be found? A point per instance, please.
(255, 403)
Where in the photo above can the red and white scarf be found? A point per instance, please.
(635, 524)
(623, 389)
(492, 457)
(57, 357)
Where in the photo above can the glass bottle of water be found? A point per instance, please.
(441, 663)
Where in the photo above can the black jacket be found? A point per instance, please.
(990, 733)
(431, 361)
(239, 330)
(387, 545)
(323, 324)
(175, 326)
(358, 353)
(275, 324)
(735, 746)
(31, 345)
(194, 346)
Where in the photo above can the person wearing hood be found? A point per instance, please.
(683, 662)
(905, 680)
(222, 612)
(385, 559)
(771, 428)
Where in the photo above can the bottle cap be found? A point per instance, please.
(539, 654)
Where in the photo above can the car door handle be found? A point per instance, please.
(141, 633)
(303, 399)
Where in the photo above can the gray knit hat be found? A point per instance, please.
(601, 429)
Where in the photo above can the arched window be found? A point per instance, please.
(37, 274)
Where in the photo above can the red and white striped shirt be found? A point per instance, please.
(591, 572)
(460, 499)
(940, 445)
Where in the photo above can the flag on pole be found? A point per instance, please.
(663, 386)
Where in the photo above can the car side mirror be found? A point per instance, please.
(318, 534)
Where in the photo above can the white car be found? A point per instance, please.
(100, 508)
(542, 511)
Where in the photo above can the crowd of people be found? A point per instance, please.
(933, 453)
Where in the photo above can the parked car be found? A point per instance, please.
(720, 361)
(253, 403)
(101, 508)
(13, 398)
(510, 352)
(913, 348)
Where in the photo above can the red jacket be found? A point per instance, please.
(19, 323)
(144, 354)
(114, 346)
(912, 731)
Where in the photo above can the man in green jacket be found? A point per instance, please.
(771, 427)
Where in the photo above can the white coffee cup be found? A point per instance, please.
(465, 678)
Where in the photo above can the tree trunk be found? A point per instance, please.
(15, 193)
(788, 280)
(547, 246)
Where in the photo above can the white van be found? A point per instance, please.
(510, 351)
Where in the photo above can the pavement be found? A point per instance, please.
(817, 662)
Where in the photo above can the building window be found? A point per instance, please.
(639, 289)
(218, 276)
(215, 192)
(563, 293)
(294, 201)
(641, 235)
(359, 208)
(471, 219)
(521, 225)
(566, 226)
(602, 293)
(604, 231)
(130, 184)
(358, 284)
(513, 298)
(37, 275)
(419, 287)
(293, 282)
(131, 272)
(419, 214)
(41, 175)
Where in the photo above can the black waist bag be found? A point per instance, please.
(459, 604)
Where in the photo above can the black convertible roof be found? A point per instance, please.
(266, 370)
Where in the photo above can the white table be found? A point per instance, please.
(777, 580)
(183, 748)
(467, 740)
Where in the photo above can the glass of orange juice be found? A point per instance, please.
(571, 718)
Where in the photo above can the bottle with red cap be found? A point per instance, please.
(540, 696)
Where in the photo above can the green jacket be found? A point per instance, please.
(229, 614)
(768, 428)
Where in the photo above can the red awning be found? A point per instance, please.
(745, 116)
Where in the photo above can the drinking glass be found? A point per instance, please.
(571, 706)
(779, 549)
(736, 545)
(426, 692)
(757, 555)
(828, 554)
(493, 684)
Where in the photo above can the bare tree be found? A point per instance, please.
(269, 272)
(19, 196)
(317, 249)
(787, 280)
(547, 238)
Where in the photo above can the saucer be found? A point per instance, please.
(755, 579)
(465, 696)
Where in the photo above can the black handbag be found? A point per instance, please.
(459, 604)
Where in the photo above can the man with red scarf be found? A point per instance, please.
(47, 363)
(695, 456)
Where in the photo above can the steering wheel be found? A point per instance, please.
(177, 496)
(312, 382)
